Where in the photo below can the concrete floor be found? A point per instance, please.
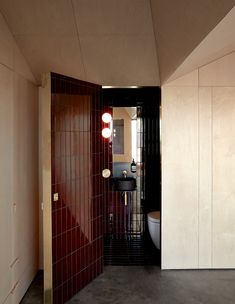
(149, 285)
(34, 295)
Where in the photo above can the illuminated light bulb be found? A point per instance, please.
(106, 132)
(106, 117)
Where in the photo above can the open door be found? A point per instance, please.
(77, 187)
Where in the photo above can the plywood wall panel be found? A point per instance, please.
(223, 177)
(6, 171)
(215, 148)
(219, 72)
(180, 177)
(205, 176)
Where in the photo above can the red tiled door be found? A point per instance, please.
(77, 185)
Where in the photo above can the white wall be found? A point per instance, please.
(198, 168)
(18, 171)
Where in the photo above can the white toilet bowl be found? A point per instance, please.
(154, 227)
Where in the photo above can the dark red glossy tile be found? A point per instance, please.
(70, 288)
(86, 276)
(68, 143)
(55, 296)
(82, 237)
(60, 295)
(73, 167)
(74, 285)
(77, 152)
(62, 143)
(67, 117)
(63, 212)
(77, 170)
(78, 281)
(87, 255)
(61, 174)
(73, 264)
(65, 269)
(69, 242)
(82, 258)
(68, 168)
(82, 279)
(92, 271)
(78, 233)
(68, 193)
(54, 249)
(90, 260)
(78, 260)
(65, 292)
(74, 244)
(73, 215)
(58, 273)
(63, 244)
(59, 251)
(58, 219)
(94, 207)
(95, 231)
(53, 223)
(69, 264)
(81, 121)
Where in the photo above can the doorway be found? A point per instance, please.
(135, 140)
(75, 194)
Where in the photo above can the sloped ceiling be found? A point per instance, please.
(111, 42)
(219, 42)
(181, 25)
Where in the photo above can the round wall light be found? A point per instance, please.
(106, 132)
(106, 173)
(106, 117)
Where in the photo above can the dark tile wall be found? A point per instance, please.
(77, 162)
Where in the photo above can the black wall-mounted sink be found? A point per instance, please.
(125, 184)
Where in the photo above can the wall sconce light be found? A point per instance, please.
(106, 117)
(106, 132)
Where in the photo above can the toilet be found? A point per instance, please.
(154, 227)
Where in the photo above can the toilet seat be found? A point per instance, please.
(154, 216)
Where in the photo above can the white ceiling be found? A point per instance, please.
(181, 25)
(112, 42)
(220, 41)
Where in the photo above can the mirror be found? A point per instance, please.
(124, 140)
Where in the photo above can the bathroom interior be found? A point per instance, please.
(132, 210)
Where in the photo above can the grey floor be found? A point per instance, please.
(149, 285)
(34, 295)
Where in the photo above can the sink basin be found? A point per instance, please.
(125, 184)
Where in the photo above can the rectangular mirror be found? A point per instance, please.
(124, 139)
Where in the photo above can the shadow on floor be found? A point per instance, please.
(34, 294)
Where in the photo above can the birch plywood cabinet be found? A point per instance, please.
(198, 168)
